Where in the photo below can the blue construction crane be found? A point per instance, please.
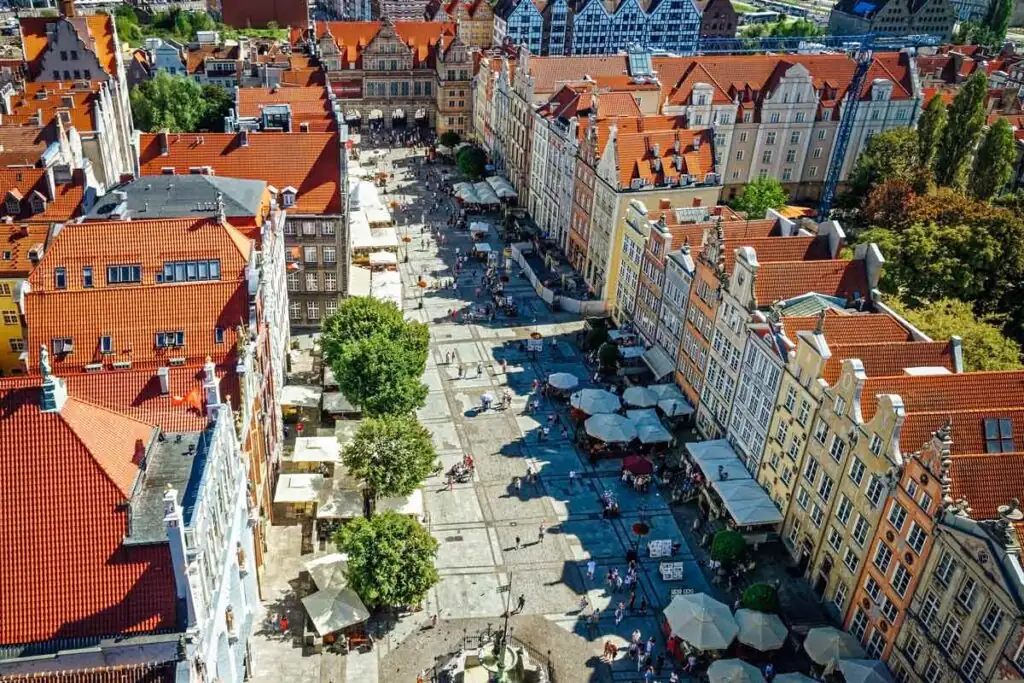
(847, 117)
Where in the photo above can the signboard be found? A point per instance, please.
(535, 344)
(350, 87)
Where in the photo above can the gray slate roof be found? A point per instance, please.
(180, 196)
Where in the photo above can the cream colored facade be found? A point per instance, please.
(964, 623)
(842, 486)
(454, 88)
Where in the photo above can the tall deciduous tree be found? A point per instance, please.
(761, 195)
(993, 163)
(966, 120)
(984, 346)
(391, 455)
(172, 102)
(998, 21)
(390, 559)
(891, 155)
(930, 129)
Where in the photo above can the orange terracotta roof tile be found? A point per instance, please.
(98, 27)
(23, 146)
(129, 673)
(775, 249)
(195, 58)
(637, 159)
(842, 329)
(549, 73)
(308, 104)
(42, 101)
(259, 13)
(66, 572)
(32, 182)
(309, 162)
(617, 104)
(783, 280)
(968, 428)
(149, 243)
(353, 36)
(14, 259)
(889, 358)
(963, 391)
(987, 481)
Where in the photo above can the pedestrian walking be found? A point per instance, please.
(643, 605)
(649, 675)
(504, 366)
(517, 485)
(540, 533)
(769, 672)
(479, 369)
(572, 481)
(635, 638)
(618, 614)
(609, 579)
(673, 677)
(518, 543)
(520, 603)
(618, 583)
(591, 568)
(649, 650)
(584, 603)
(545, 432)
(447, 357)
(632, 599)
(659, 663)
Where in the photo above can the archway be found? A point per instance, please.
(376, 119)
(398, 119)
(421, 117)
(353, 119)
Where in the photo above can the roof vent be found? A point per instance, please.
(93, 367)
(177, 361)
(122, 364)
(164, 375)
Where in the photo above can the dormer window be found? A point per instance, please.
(38, 203)
(288, 195)
(62, 345)
(999, 435)
(13, 202)
(106, 344)
(60, 278)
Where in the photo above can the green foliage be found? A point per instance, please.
(984, 345)
(966, 120)
(179, 104)
(608, 356)
(390, 559)
(891, 155)
(797, 28)
(181, 25)
(391, 455)
(930, 129)
(759, 196)
(450, 138)
(1000, 12)
(993, 162)
(471, 161)
(888, 203)
(377, 356)
(761, 597)
(728, 546)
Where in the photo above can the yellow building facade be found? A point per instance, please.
(18, 255)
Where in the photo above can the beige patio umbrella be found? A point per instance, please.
(760, 630)
(734, 671)
(865, 671)
(328, 571)
(701, 621)
(827, 643)
(334, 609)
(641, 397)
(610, 428)
(793, 678)
(563, 381)
(595, 401)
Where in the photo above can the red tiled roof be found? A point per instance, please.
(66, 203)
(132, 673)
(20, 239)
(549, 73)
(132, 316)
(783, 280)
(149, 243)
(617, 104)
(259, 13)
(889, 358)
(100, 27)
(964, 391)
(636, 158)
(308, 104)
(66, 572)
(352, 36)
(309, 162)
(775, 249)
(987, 481)
(24, 145)
(857, 328)
(195, 58)
(968, 433)
(50, 98)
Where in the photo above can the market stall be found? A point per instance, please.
(697, 622)
(590, 402)
(479, 231)
(502, 188)
(639, 397)
(297, 495)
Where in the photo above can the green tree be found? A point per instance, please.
(759, 196)
(998, 21)
(608, 356)
(761, 597)
(887, 204)
(391, 455)
(359, 317)
(891, 155)
(471, 161)
(798, 28)
(728, 546)
(172, 102)
(984, 345)
(993, 163)
(390, 559)
(966, 120)
(450, 138)
(930, 129)
(218, 105)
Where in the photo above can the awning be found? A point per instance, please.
(335, 403)
(479, 227)
(301, 396)
(501, 187)
(328, 571)
(316, 449)
(482, 248)
(630, 352)
(744, 499)
(298, 488)
(358, 281)
(335, 609)
(486, 194)
(658, 361)
(340, 504)
(383, 258)
(410, 506)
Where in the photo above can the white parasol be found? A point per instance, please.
(701, 621)
(563, 381)
(674, 407)
(610, 428)
(760, 630)
(865, 671)
(594, 401)
(334, 609)
(641, 397)
(734, 671)
(827, 643)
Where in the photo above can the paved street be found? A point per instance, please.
(478, 523)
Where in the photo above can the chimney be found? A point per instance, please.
(243, 137)
(164, 375)
(211, 387)
(165, 145)
(67, 8)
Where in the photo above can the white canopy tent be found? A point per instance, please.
(340, 503)
(595, 401)
(479, 228)
(610, 428)
(298, 488)
(467, 193)
(666, 391)
(386, 285)
(640, 397)
(658, 361)
(675, 407)
(383, 258)
(502, 187)
(359, 281)
(482, 248)
(631, 352)
(486, 194)
(334, 609)
(563, 381)
(408, 506)
(328, 571)
(301, 396)
(316, 449)
(744, 499)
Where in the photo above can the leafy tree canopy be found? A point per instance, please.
(172, 102)
(783, 29)
(966, 120)
(391, 455)
(471, 161)
(993, 162)
(728, 546)
(891, 155)
(390, 559)
(984, 345)
(761, 597)
(608, 356)
(450, 138)
(759, 196)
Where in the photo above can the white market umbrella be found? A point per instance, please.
(760, 630)
(865, 671)
(734, 671)
(701, 621)
(665, 391)
(649, 432)
(563, 381)
(674, 407)
(610, 428)
(641, 397)
(334, 609)
(595, 401)
(827, 643)
(329, 571)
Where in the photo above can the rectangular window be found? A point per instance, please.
(856, 471)
(327, 228)
(87, 277)
(999, 435)
(766, 157)
(860, 530)
(825, 487)
(897, 516)
(330, 255)
(950, 634)
(331, 307)
(775, 117)
(945, 568)
(968, 593)
(769, 138)
(844, 510)
(330, 282)
(876, 643)
(803, 499)
(929, 608)
(60, 278)
(124, 275)
(876, 489)
(993, 620)
(883, 556)
(838, 448)
(850, 560)
(835, 539)
(839, 597)
(811, 470)
(794, 137)
(312, 310)
(916, 537)
(901, 580)
(859, 624)
(309, 254)
(11, 318)
(106, 344)
(218, 335)
(805, 411)
(974, 662)
(790, 399)
(816, 515)
(820, 431)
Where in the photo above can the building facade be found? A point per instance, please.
(893, 18)
(453, 65)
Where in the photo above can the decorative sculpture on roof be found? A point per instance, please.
(44, 362)
(819, 324)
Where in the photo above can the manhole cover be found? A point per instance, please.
(453, 539)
